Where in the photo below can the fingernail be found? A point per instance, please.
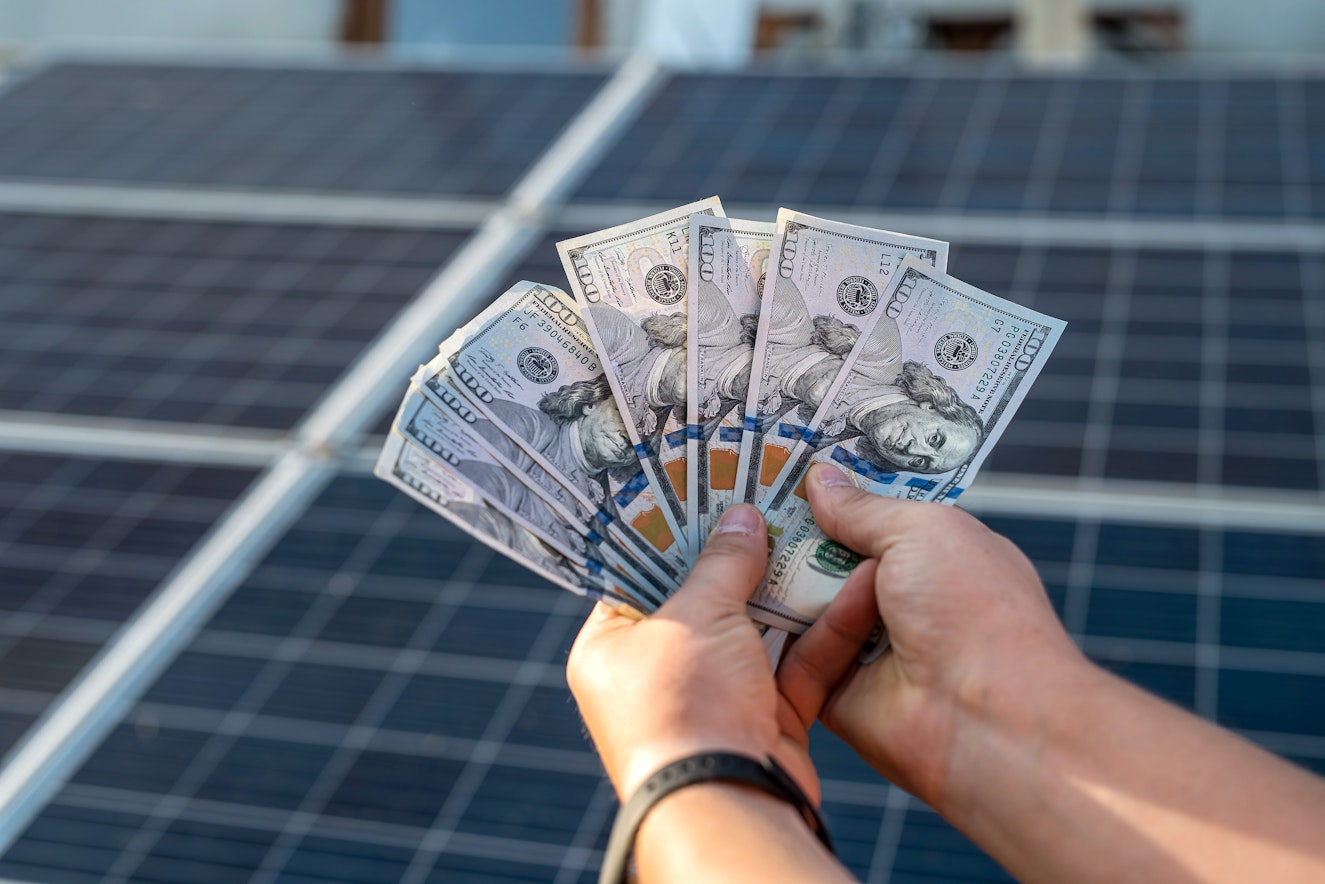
(742, 519)
(829, 476)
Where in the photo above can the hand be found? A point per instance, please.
(692, 677)
(968, 621)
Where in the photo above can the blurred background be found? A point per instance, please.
(230, 230)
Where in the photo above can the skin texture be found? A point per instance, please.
(986, 710)
(674, 706)
(983, 708)
(694, 677)
(989, 610)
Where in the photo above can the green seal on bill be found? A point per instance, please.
(834, 558)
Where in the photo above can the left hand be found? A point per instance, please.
(694, 676)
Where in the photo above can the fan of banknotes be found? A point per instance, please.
(701, 361)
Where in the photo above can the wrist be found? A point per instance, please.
(644, 761)
(1005, 721)
(720, 813)
(670, 826)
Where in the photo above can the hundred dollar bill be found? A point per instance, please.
(526, 363)
(630, 282)
(444, 492)
(452, 436)
(728, 262)
(590, 520)
(827, 280)
(927, 389)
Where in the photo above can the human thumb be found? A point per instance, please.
(858, 520)
(732, 564)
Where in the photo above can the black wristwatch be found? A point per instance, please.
(766, 775)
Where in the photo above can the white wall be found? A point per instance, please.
(697, 33)
(1265, 26)
(43, 24)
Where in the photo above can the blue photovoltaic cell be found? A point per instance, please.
(231, 324)
(373, 733)
(1287, 555)
(265, 773)
(45, 853)
(1161, 394)
(83, 543)
(1145, 546)
(541, 264)
(855, 830)
(1044, 540)
(548, 720)
(1175, 682)
(469, 704)
(932, 851)
(1272, 701)
(977, 141)
(1125, 613)
(461, 133)
(542, 805)
(330, 859)
(406, 791)
(1274, 624)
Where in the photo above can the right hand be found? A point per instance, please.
(969, 622)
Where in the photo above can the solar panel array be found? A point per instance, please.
(229, 324)
(82, 543)
(463, 133)
(976, 141)
(1191, 366)
(381, 699)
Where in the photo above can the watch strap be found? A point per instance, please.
(766, 775)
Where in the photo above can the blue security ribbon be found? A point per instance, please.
(863, 467)
(792, 431)
(729, 434)
(645, 450)
(677, 438)
(925, 484)
(603, 516)
(955, 493)
(631, 489)
(694, 431)
(752, 423)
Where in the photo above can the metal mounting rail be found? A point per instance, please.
(139, 440)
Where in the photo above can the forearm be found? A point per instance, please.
(725, 832)
(1077, 775)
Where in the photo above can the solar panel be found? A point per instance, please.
(82, 544)
(349, 662)
(972, 140)
(232, 324)
(540, 264)
(1188, 366)
(382, 695)
(460, 133)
